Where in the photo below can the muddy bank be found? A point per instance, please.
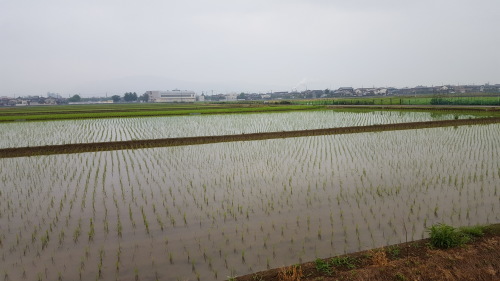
(150, 143)
(479, 260)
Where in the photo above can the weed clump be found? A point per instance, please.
(472, 231)
(445, 236)
(346, 262)
(323, 266)
(291, 273)
(379, 258)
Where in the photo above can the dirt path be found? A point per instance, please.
(150, 143)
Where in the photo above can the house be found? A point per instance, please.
(487, 88)
(391, 91)
(231, 97)
(5, 101)
(405, 91)
(420, 90)
(344, 91)
(381, 91)
(364, 91)
(443, 89)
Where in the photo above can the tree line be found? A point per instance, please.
(127, 97)
(130, 97)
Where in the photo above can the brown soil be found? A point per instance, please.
(150, 143)
(478, 260)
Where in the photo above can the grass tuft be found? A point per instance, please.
(472, 231)
(323, 266)
(347, 262)
(444, 236)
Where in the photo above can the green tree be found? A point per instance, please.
(116, 98)
(130, 97)
(144, 97)
(75, 98)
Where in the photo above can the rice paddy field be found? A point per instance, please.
(121, 129)
(86, 111)
(209, 212)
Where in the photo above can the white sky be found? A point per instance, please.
(95, 47)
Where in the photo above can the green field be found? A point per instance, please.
(424, 100)
(88, 111)
(38, 113)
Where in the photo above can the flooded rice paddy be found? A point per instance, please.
(121, 129)
(206, 212)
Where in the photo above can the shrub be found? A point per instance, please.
(444, 236)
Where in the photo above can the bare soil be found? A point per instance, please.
(478, 260)
(150, 143)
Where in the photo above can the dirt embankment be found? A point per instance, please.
(479, 260)
(150, 143)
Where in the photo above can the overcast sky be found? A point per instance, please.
(95, 47)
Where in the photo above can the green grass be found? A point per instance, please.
(472, 231)
(327, 266)
(40, 113)
(394, 251)
(445, 236)
(346, 262)
(323, 266)
(407, 100)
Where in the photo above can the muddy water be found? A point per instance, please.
(212, 211)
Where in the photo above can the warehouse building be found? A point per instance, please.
(171, 96)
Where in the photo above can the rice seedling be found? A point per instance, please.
(91, 232)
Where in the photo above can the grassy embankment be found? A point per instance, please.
(467, 253)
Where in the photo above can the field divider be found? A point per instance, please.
(166, 142)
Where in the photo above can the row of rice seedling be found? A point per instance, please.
(119, 129)
(211, 211)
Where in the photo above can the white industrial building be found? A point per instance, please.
(171, 96)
